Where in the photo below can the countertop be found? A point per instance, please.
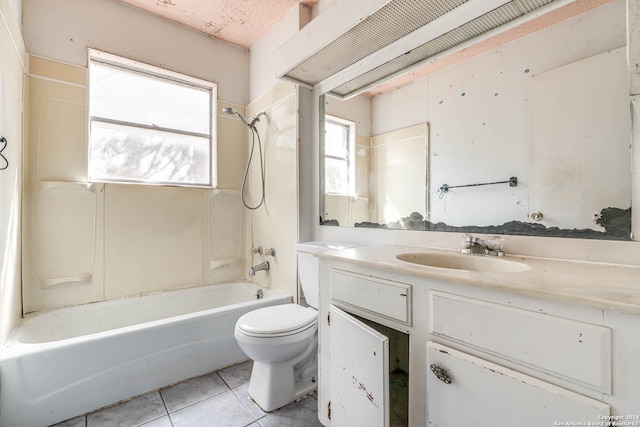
(607, 286)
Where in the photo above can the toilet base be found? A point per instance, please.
(273, 385)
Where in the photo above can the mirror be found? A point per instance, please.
(517, 140)
(372, 179)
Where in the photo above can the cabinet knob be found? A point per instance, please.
(440, 373)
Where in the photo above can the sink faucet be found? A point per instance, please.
(476, 246)
(262, 266)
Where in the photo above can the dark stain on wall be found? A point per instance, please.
(616, 222)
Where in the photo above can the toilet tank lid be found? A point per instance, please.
(320, 246)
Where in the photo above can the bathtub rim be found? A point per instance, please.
(15, 347)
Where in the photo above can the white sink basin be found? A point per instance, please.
(454, 261)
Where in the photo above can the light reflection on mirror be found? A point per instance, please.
(339, 157)
(371, 180)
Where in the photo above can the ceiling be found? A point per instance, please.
(239, 22)
(243, 22)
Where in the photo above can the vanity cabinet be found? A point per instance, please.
(477, 354)
(364, 351)
(462, 387)
(463, 390)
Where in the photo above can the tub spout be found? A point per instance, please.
(262, 266)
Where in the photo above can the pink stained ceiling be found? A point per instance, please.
(239, 22)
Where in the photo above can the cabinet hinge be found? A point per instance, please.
(329, 410)
(329, 318)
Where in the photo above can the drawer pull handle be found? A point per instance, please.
(440, 373)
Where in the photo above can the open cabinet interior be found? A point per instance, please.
(369, 372)
(398, 372)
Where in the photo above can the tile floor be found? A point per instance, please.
(216, 399)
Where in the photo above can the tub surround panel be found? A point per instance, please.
(152, 233)
(39, 66)
(275, 223)
(66, 228)
(55, 168)
(141, 238)
(62, 158)
(224, 250)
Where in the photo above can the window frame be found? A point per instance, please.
(161, 73)
(350, 158)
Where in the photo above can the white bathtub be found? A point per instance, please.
(66, 362)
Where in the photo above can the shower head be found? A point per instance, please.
(229, 110)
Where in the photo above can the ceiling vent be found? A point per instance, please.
(351, 48)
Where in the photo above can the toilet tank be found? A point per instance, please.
(308, 266)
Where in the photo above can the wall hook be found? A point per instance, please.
(3, 144)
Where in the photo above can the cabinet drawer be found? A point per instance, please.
(379, 296)
(575, 351)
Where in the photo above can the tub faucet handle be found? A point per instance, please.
(257, 250)
(269, 252)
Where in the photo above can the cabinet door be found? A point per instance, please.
(359, 373)
(482, 394)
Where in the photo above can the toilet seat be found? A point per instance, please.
(277, 321)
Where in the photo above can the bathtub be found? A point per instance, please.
(65, 362)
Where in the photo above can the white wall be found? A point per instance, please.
(63, 29)
(12, 58)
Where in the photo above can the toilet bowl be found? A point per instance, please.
(282, 340)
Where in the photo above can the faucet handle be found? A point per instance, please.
(494, 243)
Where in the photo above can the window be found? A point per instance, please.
(148, 125)
(339, 164)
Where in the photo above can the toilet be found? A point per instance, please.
(282, 340)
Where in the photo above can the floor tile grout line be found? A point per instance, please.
(223, 380)
(196, 401)
(250, 402)
(166, 408)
